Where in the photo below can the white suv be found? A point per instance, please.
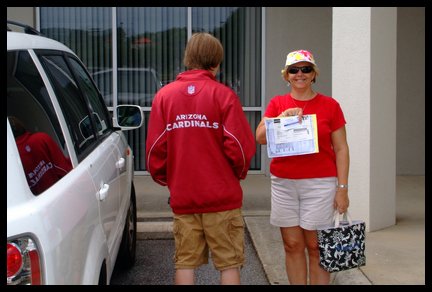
(71, 207)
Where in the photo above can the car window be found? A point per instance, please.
(137, 81)
(134, 86)
(40, 141)
(100, 112)
(72, 102)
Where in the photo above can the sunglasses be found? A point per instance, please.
(304, 69)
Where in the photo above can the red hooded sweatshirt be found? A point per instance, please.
(44, 163)
(199, 143)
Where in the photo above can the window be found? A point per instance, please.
(73, 105)
(101, 116)
(85, 30)
(151, 42)
(31, 113)
(149, 52)
(239, 30)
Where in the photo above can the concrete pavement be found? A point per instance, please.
(394, 255)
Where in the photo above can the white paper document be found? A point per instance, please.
(287, 137)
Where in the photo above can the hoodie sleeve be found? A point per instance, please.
(62, 164)
(238, 141)
(156, 144)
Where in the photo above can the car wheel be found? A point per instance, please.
(127, 251)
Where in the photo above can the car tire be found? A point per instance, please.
(103, 275)
(127, 251)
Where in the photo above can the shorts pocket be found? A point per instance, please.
(236, 232)
(177, 238)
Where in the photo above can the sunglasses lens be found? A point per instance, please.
(305, 69)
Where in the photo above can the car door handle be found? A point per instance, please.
(120, 163)
(103, 192)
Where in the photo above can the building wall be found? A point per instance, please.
(286, 31)
(411, 99)
(294, 28)
(24, 15)
(352, 88)
(383, 117)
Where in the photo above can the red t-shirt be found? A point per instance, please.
(44, 163)
(329, 118)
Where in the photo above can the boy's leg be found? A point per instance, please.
(185, 277)
(224, 232)
(191, 250)
(230, 277)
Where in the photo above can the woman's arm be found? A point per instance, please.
(260, 133)
(341, 150)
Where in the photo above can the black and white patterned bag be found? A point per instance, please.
(342, 246)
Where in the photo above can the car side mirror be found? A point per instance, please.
(128, 117)
(85, 128)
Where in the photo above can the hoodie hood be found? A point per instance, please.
(193, 81)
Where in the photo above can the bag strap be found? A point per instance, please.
(346, 217)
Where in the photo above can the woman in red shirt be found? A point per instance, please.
(307, 188)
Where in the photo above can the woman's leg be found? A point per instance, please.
(317, 275)
(295, 257)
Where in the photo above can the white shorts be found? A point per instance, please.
(308, 203)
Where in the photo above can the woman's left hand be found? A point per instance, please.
(341, 200)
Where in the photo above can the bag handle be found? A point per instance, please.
(346, 217)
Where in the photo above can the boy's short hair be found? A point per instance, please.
(17, 127)
(203, 51)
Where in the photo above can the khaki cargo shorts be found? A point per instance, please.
(222, 232)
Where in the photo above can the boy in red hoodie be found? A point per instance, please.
(200, 145)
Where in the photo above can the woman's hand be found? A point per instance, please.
(260, 133)
(296, 111)
(341, 200)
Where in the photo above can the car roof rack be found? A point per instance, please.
(27, 28)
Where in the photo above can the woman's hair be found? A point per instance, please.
(203, 51)
(285, 72)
